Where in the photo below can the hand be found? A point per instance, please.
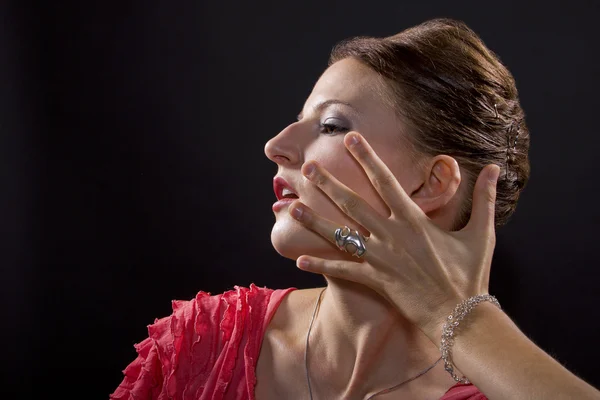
(420, 268)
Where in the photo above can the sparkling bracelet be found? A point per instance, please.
(459, 313)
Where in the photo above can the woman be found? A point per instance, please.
(393, 140)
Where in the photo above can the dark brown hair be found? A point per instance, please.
(456, 98)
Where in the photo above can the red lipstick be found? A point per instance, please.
(284, 192)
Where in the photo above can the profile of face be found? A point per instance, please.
(348, 97)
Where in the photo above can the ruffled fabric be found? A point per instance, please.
(463, 392)
(207, 349)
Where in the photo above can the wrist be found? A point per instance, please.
(464, 314)
(432, 325)
(476, 322)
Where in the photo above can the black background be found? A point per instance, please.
(133, 172)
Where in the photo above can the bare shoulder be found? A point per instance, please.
(280, 361)
(294, 309)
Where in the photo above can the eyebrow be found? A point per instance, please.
(324, 104)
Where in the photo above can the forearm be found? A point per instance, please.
(504, 364)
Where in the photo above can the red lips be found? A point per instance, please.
(279, 184)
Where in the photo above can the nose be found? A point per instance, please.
(285, 148)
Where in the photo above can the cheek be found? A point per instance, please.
(349, 172)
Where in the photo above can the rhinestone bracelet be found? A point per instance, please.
(459, 313)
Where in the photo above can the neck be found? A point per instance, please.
(360, 344)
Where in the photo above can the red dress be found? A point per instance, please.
(189, 356)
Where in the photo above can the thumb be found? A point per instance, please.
(350, 271)
(484, 199)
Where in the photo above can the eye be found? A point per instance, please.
(331, 128)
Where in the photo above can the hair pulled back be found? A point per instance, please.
(455, 97)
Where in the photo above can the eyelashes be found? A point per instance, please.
(329, 127)
(332, 129)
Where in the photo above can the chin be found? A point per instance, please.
(291, 240)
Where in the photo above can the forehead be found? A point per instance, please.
(351, 81)
(347, 77)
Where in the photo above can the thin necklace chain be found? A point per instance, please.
(376, 394)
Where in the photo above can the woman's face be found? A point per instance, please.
(347, 97)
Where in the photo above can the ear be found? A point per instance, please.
(441, 179)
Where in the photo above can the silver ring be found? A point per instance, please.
(345, 236)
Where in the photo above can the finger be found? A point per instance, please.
(346, 199)
(350, 271)
(484, 200)
(382, 179)
(317, 224)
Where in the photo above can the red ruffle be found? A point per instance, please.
(208, 347)
(463, 392)
(189, 356)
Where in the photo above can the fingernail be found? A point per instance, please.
(302, 263)
(297, 212)
(493, 174)
(353, 140)
(309, 169)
